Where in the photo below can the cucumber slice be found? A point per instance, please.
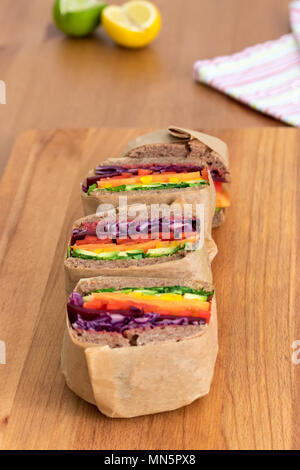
(196, 297)
(160, 251)
(134, 252)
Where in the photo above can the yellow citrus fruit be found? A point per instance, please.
(134, 24)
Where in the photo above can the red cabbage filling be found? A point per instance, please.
(102, 172)
(172, 228)
(113, 322)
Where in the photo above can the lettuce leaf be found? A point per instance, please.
(91, 188)
(181, 290)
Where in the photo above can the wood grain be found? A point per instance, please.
(57, 82)
(254, 400)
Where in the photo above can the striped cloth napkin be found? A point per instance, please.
(265, 77)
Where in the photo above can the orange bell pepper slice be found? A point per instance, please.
(159, 178)
(150, 303)
(222, 199)
(97, 246)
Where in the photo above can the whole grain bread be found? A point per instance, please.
(138, 336)
(87, 264)
(196, 147)
(192, 152)
(85, 286)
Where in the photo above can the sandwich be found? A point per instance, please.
(137, 346)
(158, 167)
(158, 247)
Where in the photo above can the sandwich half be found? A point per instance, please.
(130, 343)
(144, 248)
(157, 167)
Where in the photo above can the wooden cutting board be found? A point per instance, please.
(254, 400)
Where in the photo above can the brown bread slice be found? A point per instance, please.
(172, 153)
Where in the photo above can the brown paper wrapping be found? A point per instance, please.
(139, 380)
(194, 265)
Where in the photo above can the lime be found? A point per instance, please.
(134, 24)
(77, 17)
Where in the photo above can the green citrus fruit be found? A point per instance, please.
(77, 17)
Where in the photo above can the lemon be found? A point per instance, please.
(77, 17)
(134, 24)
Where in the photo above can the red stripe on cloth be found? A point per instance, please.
(246, 52)
(284, 107)
(253, 78)
(253, 71)
(294, 10)
(274, 90)
(292, 113)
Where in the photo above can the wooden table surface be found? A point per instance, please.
(57, 82)
(254, 399)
